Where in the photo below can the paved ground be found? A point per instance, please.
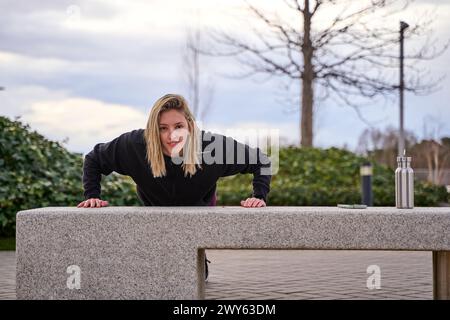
(7, 275)
(294, 274)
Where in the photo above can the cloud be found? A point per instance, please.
(103, 30)
(84, 121)
(16, 101)
(124, 82)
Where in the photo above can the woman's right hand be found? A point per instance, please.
(92, 203)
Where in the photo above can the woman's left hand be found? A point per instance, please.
(253, 203)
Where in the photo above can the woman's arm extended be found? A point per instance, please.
(104, 159)
(240, 158)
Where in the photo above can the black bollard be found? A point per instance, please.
(366, 184)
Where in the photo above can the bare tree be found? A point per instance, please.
(435, 157)
(433, 152)
(381, 145)
(430, 156)
(352, 60)
(200, 96)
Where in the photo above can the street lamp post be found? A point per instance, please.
(366, 184)
(401, 138)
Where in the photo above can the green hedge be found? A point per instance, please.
(36, 172)
(325, 177)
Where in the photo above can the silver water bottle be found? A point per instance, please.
(404, 183)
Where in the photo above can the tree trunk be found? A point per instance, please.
(436, 163)
(306, 125)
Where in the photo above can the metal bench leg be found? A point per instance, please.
(441, 275)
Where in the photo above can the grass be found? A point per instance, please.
(7, 243)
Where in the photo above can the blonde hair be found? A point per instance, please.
(192, 147)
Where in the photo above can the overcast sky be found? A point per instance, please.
(90, 70)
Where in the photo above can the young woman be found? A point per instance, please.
(173, 163)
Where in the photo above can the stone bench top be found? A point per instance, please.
(383, 228)
(240, 210)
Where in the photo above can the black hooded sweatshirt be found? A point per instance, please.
(127, 155)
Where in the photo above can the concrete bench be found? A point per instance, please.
(158, 252)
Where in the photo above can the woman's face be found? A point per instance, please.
(173, 131)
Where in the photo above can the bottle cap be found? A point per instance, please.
(404, 158)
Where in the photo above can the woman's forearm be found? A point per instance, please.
(91, 178)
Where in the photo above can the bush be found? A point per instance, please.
(36, 172)
(325, 177)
